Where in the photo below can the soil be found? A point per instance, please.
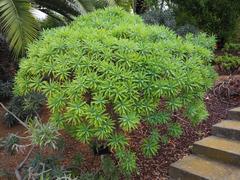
(218, 102)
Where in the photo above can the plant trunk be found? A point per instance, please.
(140, 7)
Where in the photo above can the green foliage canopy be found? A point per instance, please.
(107, 73)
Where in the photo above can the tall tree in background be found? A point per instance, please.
(213, 16)
(140, 6)
(217, 17)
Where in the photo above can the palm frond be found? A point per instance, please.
(18, 24)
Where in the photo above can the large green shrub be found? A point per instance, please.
(108, 72)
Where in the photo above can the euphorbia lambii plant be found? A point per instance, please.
(107, 73)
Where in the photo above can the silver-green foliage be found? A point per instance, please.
(107, 73)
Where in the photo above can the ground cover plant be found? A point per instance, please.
(108, 73)
(228, 63)
(232, 47)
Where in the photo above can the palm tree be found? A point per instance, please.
(19, 26)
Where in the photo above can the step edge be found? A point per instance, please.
(174, 165)
(223, 151)
(225, 157)
(218, 138)
(215, 148)
(227, 121)
(227, 128)
(236, 109)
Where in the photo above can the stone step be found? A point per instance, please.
(228, 129)
(220, 149)
(198, 168)
(234, 114)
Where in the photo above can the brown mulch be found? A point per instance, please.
(217, 102)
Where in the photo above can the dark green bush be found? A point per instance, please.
(228, 63)
(108, 72)
(15, 106)
(5, 90)
(24, 107)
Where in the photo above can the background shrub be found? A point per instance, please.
(108, 72)
(168, 18)
(160, 17)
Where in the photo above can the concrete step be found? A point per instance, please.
(228, 129)
(234, 114)
(220, 149)
(197, 168)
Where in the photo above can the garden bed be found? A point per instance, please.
(217, 102)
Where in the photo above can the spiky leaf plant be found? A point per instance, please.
(8, 143)
(107, 73)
